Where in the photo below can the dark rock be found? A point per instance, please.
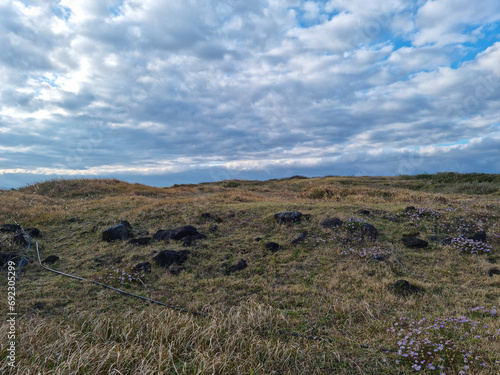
(288, 217)
(257, 239)
(51, 259)
(39, 305)
(405, 288)
(300, 238)
(145, 267)
(478, 236)
(370, 231)
(364, 212)
(390, 218)
(116, 232)
(175, 269)
(33, 232)
(491, 260)
(6, 257)
(443, 240)
(143, 241)
(162, 235)
(413, 242)
(331, 223)
(20, 240)
(493, 271)
(184, 231)
(167, 257)
(127, 225)
(241, 265)
(410, 209)
(273, 247)
(177, 233)
(10, 228)
(206, 215)
(213, 228)
(189, 240)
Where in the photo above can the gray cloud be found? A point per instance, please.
(207, 89)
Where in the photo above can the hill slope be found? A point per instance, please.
(328, 303)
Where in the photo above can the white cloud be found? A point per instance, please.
(242, 84)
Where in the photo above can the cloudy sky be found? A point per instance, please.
(170, 91)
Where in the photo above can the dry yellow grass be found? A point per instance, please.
(313, 289)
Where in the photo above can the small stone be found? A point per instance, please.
(288, 217)
(175, 269)
(363, 212)
(116, 232)
(300, 238)
(414, 242)
(143, 241)
(479, 236)
(405, 288)
(331, 223)
(33, 232)
(371, 231)
(167, 257)
(410, 209)
(241, 265)
(493, 271)
(10, 228)
(145, 267)
(51, 259)
(273, 247)
(20, 240)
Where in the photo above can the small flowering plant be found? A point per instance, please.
(116, 276)
(468, 246)
(374, 252)
(441, 345)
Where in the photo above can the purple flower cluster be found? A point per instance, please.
(439, 345)
(492, 312)
(116, 275)
(367, 253)
(420, 213)
(468, 246)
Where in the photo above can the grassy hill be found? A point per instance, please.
(331, 303)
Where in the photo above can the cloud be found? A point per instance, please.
(200, 88)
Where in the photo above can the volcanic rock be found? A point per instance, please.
(405, 288)
(331, 223)
(300, 238)
(273, 247)
(288, 217)
(241, 265)
(370, 231)
(116, 232)
(143, 241)
(166, 258)
(51, 259)
(479, 236)
(414, 242)
(10, 228)
(145, 267)
(20, 240)
(493, 271)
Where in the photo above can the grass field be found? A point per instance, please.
(326, 305)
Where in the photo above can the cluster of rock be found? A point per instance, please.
(18, 237)
(188, 234)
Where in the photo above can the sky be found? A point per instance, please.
(167, 91)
